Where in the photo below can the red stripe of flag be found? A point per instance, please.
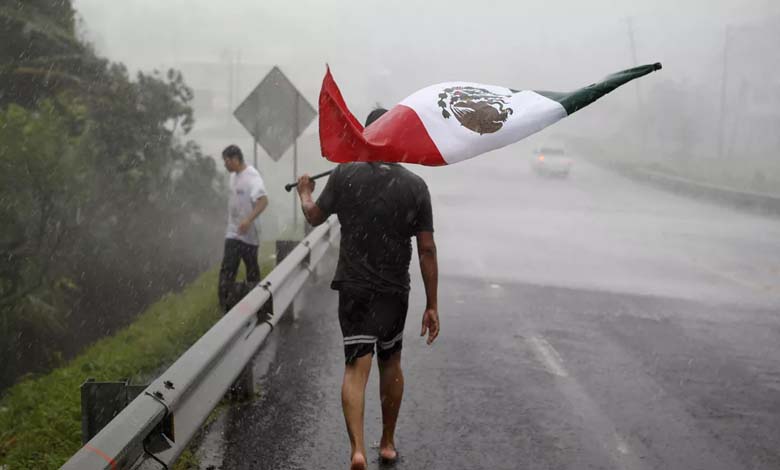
(398, 136)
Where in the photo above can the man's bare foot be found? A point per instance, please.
(387, 453)
(358, 462)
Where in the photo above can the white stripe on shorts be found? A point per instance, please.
(391, 343)
(360, 339)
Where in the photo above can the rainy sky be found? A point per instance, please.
(402, 46)
(380, 52)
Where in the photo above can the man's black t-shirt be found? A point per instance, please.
(380, 207)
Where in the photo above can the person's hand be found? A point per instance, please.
(430, 324)
(244, 227)
(305, 184)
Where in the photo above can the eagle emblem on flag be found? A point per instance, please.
(477, 109)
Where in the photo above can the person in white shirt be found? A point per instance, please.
(248, 199)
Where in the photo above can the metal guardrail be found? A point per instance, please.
(745, 199)
(762, 203)
(156, 427)
(757, 202)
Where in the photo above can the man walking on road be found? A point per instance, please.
(380, 207)
(247, 201)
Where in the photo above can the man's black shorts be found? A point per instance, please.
(370, 318)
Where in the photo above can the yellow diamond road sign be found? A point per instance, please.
(275, 113)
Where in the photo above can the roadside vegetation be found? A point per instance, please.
(40, 418)
(105, 206)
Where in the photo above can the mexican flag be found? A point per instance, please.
(453, 121)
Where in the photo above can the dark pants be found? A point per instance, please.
(235, 251)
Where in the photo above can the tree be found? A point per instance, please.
(104, 207)
(43, 181)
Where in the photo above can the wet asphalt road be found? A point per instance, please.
(588, 323)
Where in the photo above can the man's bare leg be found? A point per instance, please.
(391, 392)
(353, 394)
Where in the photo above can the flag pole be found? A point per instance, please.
(288, 187)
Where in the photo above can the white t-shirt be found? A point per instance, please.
(246, 188)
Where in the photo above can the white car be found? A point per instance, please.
(551, 162)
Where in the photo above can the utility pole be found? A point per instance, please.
(237, 73)
(723, 89)
(634, 60)
(737, 124)
(231, 81)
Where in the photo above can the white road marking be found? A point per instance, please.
(548, 356)
(596, 420)
(732, 277)
(495, 286)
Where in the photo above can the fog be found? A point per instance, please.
(554, 44)
(618, 313)
(380, 52)
(681, 119)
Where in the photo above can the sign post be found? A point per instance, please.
(295, 163)
(275, 114)
(254, 148)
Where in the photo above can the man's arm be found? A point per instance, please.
(259, 207)
(314, 215)
(429, 267)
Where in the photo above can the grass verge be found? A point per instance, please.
(40, 418)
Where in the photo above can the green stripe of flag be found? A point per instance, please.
(578, 99)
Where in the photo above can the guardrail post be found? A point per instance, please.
(243, 388)
(283, 248)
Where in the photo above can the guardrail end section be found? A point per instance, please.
(101, 402)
